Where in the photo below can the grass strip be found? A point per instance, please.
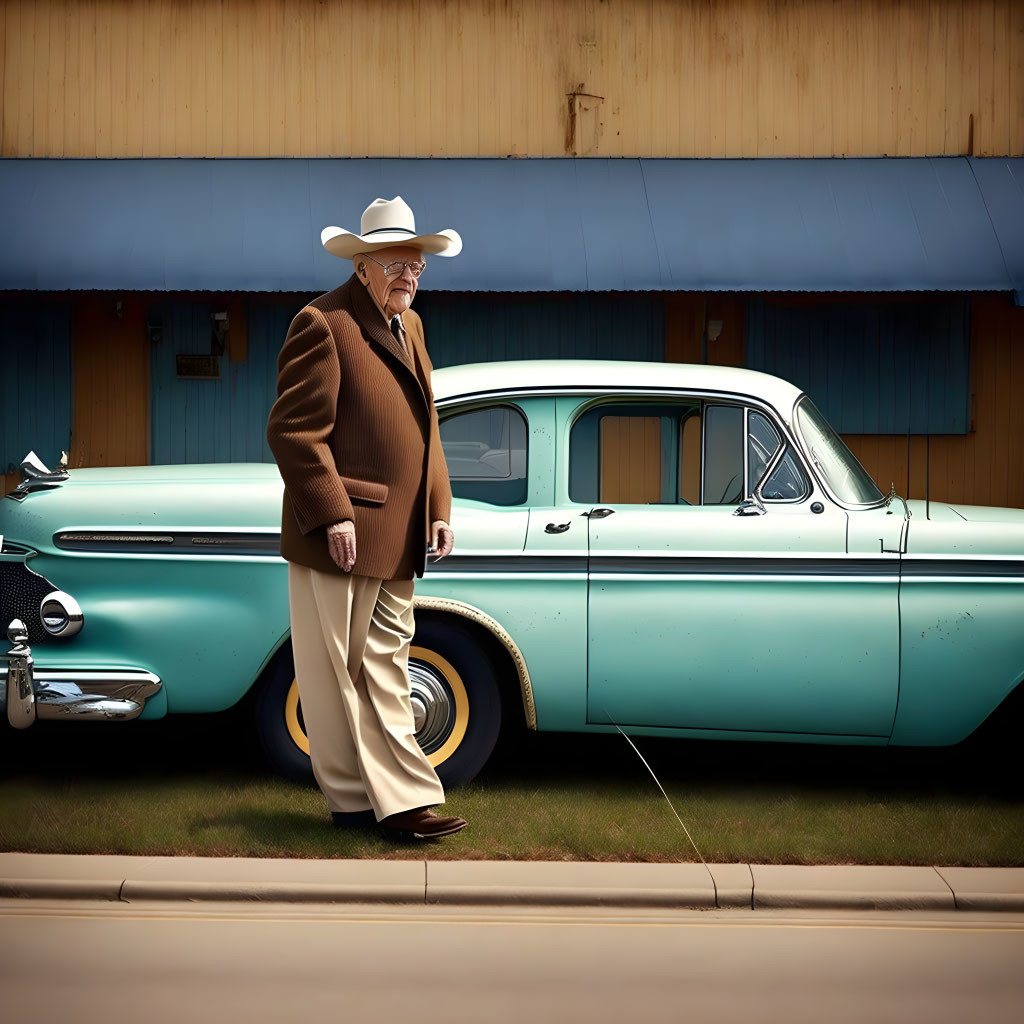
(551, 820)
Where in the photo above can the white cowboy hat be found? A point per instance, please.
(388, 222)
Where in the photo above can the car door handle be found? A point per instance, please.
(556, 527)
(598, 513)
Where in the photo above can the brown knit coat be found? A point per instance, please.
(354, 433)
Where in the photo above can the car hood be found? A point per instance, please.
(988, 514)
(218, 495)
(939, 528)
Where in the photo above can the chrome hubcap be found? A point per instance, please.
(433, 706)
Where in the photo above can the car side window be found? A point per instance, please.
(634, 454)
(682, 453)
(762, 443)
(723, 455)
(486, 453)
(787, 481)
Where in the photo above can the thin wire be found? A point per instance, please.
(669, 802)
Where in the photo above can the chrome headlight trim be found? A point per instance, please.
(61, 614)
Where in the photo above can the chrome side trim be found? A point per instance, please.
(172, 542)
(714, 566)
(755, 565)
(958, 568)
(544, 563)
(710, 565)
(468, 611)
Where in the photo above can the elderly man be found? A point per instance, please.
(354, 432)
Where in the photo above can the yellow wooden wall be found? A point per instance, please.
(151, 78)
(685, 315)
(110, 380)
(630, 468)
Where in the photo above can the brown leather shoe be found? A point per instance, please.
(419, 824)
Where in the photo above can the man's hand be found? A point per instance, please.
(442, 538)
(341, 539)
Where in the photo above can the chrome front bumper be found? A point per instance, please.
(28, 693)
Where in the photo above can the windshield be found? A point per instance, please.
(844, 476)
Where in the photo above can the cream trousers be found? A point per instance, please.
(350, 643)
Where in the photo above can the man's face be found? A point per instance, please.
(393, 292)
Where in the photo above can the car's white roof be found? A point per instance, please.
(573, 374)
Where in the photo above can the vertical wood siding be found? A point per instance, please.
(564, 325)
(221, 420)
(985, 466)
(35, 409)
(119, 78)
(111, 381)
(685, 314)
(871, 366)
(630, 450)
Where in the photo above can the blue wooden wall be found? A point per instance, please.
(35, 364)
(214, 420)
(225, 420)
(474, 328)
(872, 368)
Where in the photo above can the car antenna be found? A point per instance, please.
(674, 811)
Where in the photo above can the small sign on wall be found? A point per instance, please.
(201, 367)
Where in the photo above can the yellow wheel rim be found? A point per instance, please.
(458, 688)
(291, 718)
(451, 677)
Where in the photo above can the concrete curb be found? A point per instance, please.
(853, 887)
(509, 883)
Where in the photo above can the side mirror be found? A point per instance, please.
(752, 506)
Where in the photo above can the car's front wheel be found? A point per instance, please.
(455, 701)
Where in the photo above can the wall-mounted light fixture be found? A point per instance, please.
(155, 328)
(220, 332)
(714, 330)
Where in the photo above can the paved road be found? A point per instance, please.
(194, 963)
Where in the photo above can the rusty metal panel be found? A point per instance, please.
(734, 78)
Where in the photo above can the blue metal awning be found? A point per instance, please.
(949, 223)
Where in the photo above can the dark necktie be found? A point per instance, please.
(396, 330)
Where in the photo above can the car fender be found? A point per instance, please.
(454, 607)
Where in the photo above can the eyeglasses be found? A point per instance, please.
(393, 269)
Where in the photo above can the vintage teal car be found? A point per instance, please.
(678, 550)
